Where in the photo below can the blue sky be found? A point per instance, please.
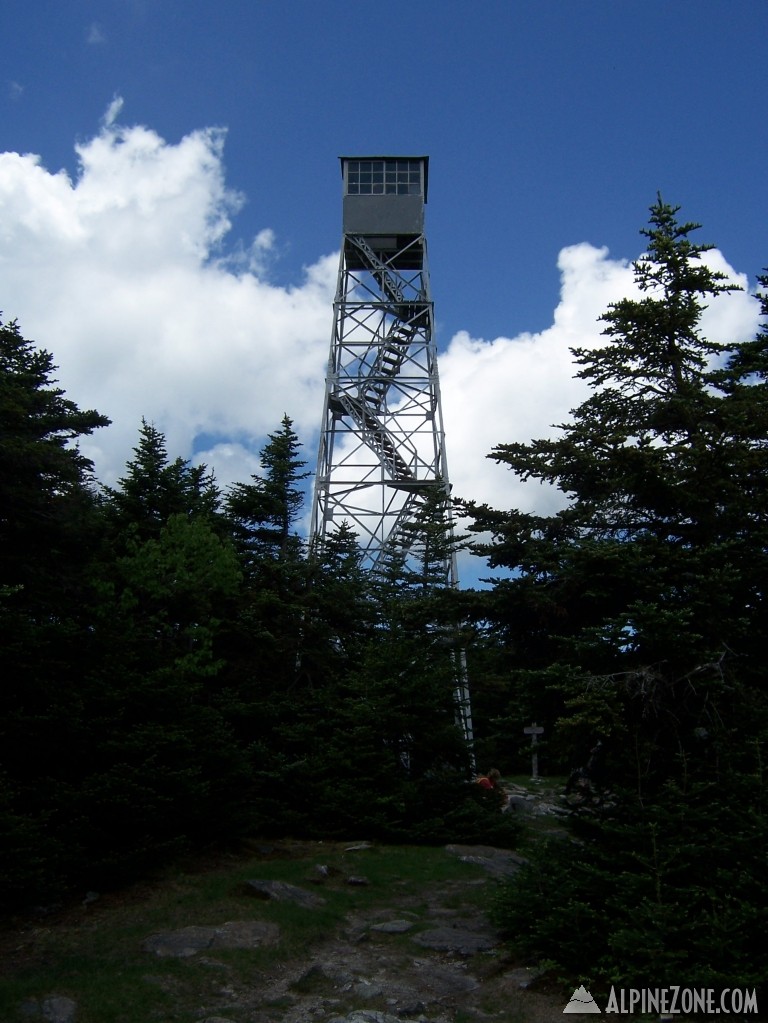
(547, 122)
(185, 274)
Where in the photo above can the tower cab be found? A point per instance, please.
(383, 203)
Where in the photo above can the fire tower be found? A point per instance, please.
(382, 443)
(382, 447)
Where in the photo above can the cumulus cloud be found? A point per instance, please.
(120, 273)
(123, 273)
(517, 389)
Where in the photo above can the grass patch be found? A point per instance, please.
(95, 954)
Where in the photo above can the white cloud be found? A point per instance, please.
(112, 112)
(116, 273)
(123, 274)
(517, 389)
(94, 35)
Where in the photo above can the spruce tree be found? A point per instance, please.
(264, 512)
(49, 532)
(154, 488)
(44, 477)
(264, 642)
(630, 617)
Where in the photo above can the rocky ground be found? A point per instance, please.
(387, 965)
(391, 960)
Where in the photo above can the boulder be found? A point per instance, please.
(454, 939)
(282, 891)
(188, 941)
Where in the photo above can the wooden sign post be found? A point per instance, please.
(534, 731)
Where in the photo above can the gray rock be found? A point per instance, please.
(522, 977)
(416, 1008)
(188, 941)
(366, 1016)
(523, 803)
(59, 1009)
(245, 934)
(181, 944)
(53, 1009)
(453, 939)
(393, 926)
(445, 981)
(281, 891)
(496, 861)
(367, 989)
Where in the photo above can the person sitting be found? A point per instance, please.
(491, 780)
(493, 789)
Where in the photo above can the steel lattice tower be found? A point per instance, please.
(382, 442)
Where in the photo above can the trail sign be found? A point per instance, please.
(534, 731)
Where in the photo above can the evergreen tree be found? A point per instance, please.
(343, 613)
(265, 511)
(166, 767)
(375, 747)
(423, 550)
(399, 706)
(155, 488)
(263, 644)
(633, 580)
(49, 528)
(44, 478)
(630, 616)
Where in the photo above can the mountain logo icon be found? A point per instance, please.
(581, 1001)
